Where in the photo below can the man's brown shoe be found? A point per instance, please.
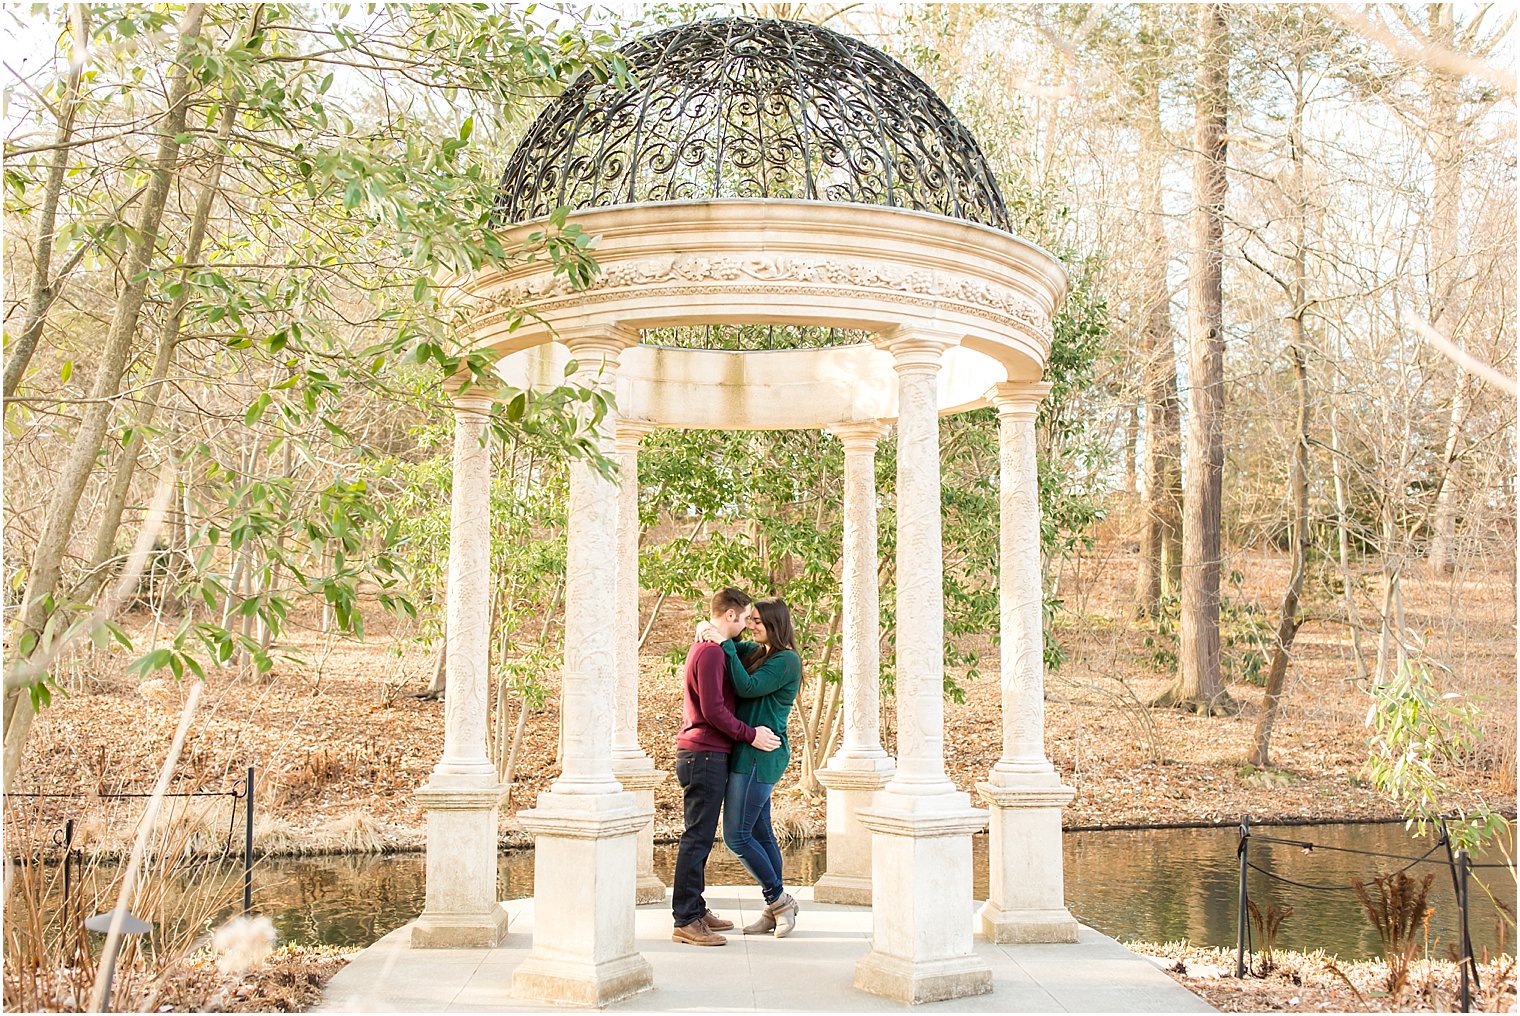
(697, 933)
(716, 923)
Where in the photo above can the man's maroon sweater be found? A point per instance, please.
(707, 698)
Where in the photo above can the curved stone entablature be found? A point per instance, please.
(781, 389)
(886, 271)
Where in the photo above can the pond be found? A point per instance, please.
(1152, 885)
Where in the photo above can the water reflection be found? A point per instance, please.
(1155, 885)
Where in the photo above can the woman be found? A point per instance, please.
(766, 674)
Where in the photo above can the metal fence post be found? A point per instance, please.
(68, 858)
(1469, 968)
(1240, 925)
(248, 844)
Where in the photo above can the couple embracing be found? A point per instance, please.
(730, 753)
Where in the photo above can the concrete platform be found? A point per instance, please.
(810, 970)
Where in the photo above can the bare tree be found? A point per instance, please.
(1294, 284)
(1160, 564)
(1200, 682)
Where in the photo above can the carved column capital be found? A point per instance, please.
(1018, 398)
(474, 401)
(916, 349)
(629, 433)
(860, 437)
(605, 342)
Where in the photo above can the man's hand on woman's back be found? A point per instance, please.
(766, 739)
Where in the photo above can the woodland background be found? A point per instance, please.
(227, 438)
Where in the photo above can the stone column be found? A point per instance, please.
(921, 944)
(1026, 900)
(585, 826)
(633, 767)
(861, 766)
(463, 793)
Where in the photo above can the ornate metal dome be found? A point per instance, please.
(752, 108)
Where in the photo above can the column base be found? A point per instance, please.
(915, 983)
(461, 909)
(921, 942)
(846, 890)
(852, 784)
(1026, 927)
(460, 931)
(1026, 893)
(565, 982)
(583, 887)
(641, 783)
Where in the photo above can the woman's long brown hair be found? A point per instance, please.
(778, 631)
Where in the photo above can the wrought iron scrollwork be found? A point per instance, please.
(752, 108)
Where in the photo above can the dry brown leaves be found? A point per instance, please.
(340, 741)
(1300, 982)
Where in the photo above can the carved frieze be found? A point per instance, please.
(781, 273)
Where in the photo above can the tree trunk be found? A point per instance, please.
(1297, 293)
(436, 687)
(168, 340)
(41, 290)
(1129, 483)
(1443, 276)
(1161, 531)
(47, 559)
(1343, 546)
(1200, 684)
(1298, 499)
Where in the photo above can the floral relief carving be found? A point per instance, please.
(896, 280)
(920, 595)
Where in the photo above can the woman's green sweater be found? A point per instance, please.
(765, 700)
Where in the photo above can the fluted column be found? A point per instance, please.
(861, 766)
(1026, 899)
(630, 763)
(463, 793)
(585, 826)
(921, 943)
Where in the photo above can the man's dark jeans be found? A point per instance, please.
(703, 776)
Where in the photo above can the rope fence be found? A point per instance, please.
(1457, 861)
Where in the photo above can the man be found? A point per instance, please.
(702, 749)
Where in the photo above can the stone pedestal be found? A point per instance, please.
(641, 783)
(461, 911)
(1025, 899)
(921, 943)
(583, 882)
(850, 791)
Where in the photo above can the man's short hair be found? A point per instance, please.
(728, 598)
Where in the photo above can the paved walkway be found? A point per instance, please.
(809, 971)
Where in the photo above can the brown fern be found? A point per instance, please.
(1397, 906)
(1267, 926)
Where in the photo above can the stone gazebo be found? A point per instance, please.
(769, 172)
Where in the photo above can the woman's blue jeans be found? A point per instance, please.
(747, 831)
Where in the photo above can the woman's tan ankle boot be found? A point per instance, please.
(783, 914)
(763, 925)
